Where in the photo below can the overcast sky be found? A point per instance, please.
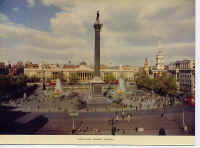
(59, 30)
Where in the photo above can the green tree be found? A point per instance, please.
(165, 84)
(12, 84)
(143, 80)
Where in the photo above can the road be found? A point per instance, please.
(100, 123)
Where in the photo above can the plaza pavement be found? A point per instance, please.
(99, 123)
(102, 126)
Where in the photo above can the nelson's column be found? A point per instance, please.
(96, 83)
(97, 28)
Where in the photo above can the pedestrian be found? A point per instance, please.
(122, 117)
(123, 131)
(162, 114)
(129, 118)
(117, 118)
(81, 122)
(162, 132)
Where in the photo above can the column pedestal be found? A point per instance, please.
(96, 87)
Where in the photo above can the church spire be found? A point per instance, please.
(159, 57)
(146, 66)
(159, 47)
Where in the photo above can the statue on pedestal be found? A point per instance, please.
(97, 15)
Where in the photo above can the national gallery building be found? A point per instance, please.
(83, 73)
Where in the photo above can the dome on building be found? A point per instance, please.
(83, 63)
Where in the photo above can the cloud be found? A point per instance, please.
(67, 24)
(15, 9)
(4, 19)
(63, 4)
(130, 33)
(31, 42)
(31, 3)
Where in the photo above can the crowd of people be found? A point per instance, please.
(43, 100)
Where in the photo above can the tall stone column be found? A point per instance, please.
(97, 27)
(96, 84)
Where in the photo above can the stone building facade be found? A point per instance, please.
(83, 72)
(184, 72)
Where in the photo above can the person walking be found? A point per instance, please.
(163, 112)
(128, 118)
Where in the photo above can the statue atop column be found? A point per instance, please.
(97, 25)
(97, 15)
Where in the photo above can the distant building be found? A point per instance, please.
(16, 69)
(84, 72)
(160, 57)
(146, 66)
(159, 67)
(4, 69)
(83, 63)
(184, 72)
(30, 65)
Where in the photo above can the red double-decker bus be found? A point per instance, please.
(52, 83)
(191, 100)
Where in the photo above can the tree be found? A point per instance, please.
(164, 85)
(12, 85)
(143, 81)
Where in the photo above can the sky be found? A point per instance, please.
(57, 31)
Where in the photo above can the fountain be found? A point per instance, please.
(122, 86)
(58, 89)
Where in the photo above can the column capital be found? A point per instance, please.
(97, 25)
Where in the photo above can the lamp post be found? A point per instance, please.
(43, 79)
(183, 115)
(185, 127)
(73, 115)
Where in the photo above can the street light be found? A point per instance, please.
(73, 115)
(183, 117)
(43, 79)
